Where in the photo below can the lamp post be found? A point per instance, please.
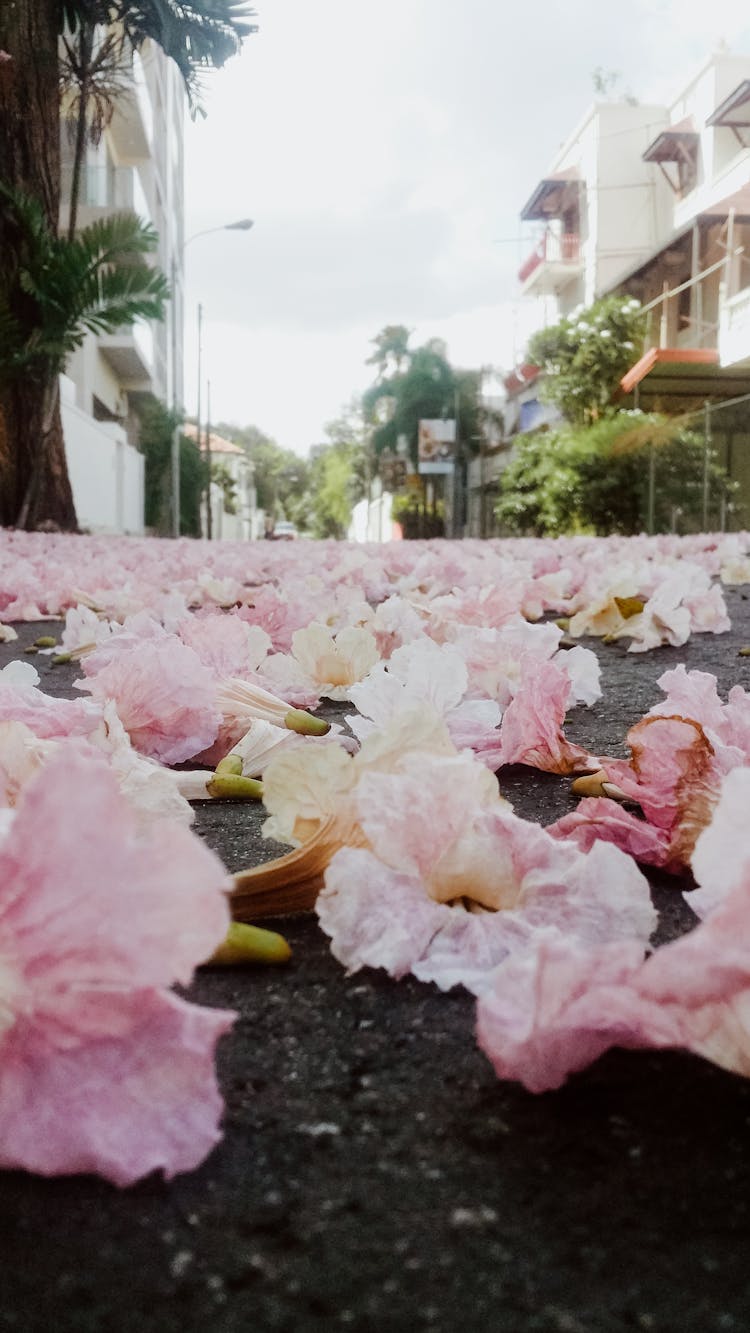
(243, 224)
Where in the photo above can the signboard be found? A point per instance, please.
(436, 443)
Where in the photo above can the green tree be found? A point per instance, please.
(585, 355)
(221, 475)
(331, 475)
(424, 388)
(64, 288)
(596, 478)
(156, 428)
(197, 36)
(349, 433)
(99, 36)
(391, 349)
(339, 473)
(280, 476)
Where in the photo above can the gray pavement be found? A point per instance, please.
(374, 1175)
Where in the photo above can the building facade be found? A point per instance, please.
(654, 202)
(137, 165)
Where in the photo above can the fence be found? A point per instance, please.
(711, 502)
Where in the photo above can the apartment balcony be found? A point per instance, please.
(553, 263)
(132, 125)
(103, 190)
(130, 353)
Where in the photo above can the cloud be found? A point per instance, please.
(383, 150)
(328, 272)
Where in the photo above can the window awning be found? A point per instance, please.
(674, 143)
(735, 109)
(551, 196)
(668, 376)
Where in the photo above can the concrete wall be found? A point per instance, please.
(106, 473)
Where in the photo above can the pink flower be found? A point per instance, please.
(598, 819)
(550, 1013)
(531, 731)
(321, 663)
(165, 698)
(47, 717)
(680, 752)
(225, 644)
(101, 1068)
(452, 883)
(424, 672)
(675, 776)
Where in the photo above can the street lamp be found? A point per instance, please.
(243, 224)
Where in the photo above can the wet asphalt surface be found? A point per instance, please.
(374, 1175)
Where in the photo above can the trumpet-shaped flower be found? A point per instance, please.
(22, 701)
(425, 672)
(165, 698)
(322, 663)
(226, 644)
(451, 882)
(310, 794)
(531, 731)
(101, 1068)
(551, 1012)
(664, 619)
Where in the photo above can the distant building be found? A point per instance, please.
(138, 166)
(234, 512)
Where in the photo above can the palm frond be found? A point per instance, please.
(196, 34)
(60, 289)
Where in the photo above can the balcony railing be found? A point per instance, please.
(553, 248)
(106, 189)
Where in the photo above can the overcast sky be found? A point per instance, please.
(384, 149)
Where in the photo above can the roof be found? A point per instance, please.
(665, 375)
(520, 378)
(218, 444)
(735, 109)
(673, 142)
(545, 200)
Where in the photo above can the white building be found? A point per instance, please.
(236, 518)
(654, 202)
(137, 165)
(597, 210)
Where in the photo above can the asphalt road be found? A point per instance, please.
(374, 1175)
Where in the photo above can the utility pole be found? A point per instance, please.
(198, 404)
(209, 515)
(176, 432)
(458, 479)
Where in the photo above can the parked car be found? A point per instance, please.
(284, 531)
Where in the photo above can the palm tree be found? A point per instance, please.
(196, 34)
(65, 288)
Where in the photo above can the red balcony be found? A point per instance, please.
(559, 254)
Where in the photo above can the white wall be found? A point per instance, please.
(106, 473)
(371, 520)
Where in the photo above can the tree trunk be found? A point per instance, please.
(34, 482)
